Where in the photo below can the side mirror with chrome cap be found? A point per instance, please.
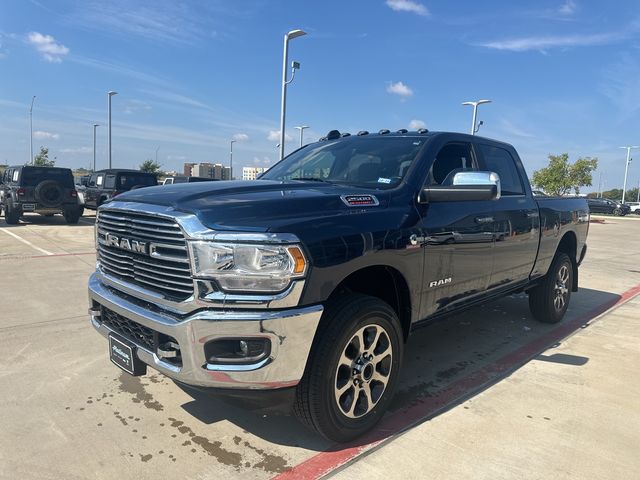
(461, 186)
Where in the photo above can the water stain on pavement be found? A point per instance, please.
(134, 386)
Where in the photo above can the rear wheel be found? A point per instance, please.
(549, 300)
(352, 370)
(11, 215)
(73, 216)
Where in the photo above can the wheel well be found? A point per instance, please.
(385, 283)
(569, 245)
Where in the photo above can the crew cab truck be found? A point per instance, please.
(44, 190)
(103, 185)
(314, 277)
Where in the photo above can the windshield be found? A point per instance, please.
(129, 180)
(32, 176)
(378, 162)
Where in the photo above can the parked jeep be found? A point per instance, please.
(43, 190)
(106, 184)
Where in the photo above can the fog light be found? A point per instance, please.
(237, 350)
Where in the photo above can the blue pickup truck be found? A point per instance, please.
(311, 279)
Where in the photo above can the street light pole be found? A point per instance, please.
(157, 154)
(95, 125)
(31, 127)
(626, 168)
(231, 160)
(285, 59)
(110, 94)
(474, 127)
(301, 128)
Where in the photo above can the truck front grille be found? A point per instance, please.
(163, 264)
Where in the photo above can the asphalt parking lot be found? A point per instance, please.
(487, 394)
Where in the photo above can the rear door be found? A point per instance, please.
(517, 221)
(458, 236)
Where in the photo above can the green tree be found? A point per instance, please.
(42, 158)
(151, 166)
(613, 194)
(560, 176)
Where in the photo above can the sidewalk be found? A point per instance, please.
(571, 413)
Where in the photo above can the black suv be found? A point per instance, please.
(106, 184)
(43, 190)
(604, 205)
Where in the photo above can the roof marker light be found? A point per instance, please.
(384, 131)
(362, 132)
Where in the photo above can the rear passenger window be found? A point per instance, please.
(15, 175)
(99, 180)
(499, 160)
(110, 181)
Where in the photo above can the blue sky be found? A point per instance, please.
(564, 75)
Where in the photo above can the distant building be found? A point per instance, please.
(209, 170)
(187, 169)
(251, 173)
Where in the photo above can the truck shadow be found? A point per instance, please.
(87, 220)
(445, 363)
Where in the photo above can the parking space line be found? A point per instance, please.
(338, 456)
(26, 242)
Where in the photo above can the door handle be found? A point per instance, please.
(488, 219)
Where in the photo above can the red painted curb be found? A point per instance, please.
(325, 462)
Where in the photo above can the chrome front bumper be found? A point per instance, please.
(291, 333)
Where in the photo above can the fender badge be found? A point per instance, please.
(359, 200)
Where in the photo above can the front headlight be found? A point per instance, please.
(246, 267)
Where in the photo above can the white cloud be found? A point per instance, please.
(274, 136)
(241, 137)
(408, 6)
(514, 130)
(548, 42)
(41, 135)
(77, 150)
(400, 89)
(417, 124)
(264, 161)
(51, 50)
(180, 158)
(569, 7)
(134, 106)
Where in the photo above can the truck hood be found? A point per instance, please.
(258, 205)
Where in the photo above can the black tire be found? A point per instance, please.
(317, 405)
(49, 193)
(72, 216)
(617, 212)
(11, 215)
(550, 299)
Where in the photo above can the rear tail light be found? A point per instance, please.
(21, 191)
(73, 193)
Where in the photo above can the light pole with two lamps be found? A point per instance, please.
(294, 66)
(474, 127)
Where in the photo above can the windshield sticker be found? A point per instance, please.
(384, 180)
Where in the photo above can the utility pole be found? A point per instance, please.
(31, 128)
(110, 94)
(231, 160)
(95, 125)
(157, 154)
(626, 168)
(294, 66)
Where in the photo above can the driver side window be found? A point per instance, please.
(452, 158)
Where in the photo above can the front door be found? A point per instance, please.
(458, 237)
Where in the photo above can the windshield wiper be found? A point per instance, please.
(311, 179)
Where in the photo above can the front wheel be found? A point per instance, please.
(353, 368)
(549, 300)
(617, 212)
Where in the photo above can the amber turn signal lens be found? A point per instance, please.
(298, 259)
